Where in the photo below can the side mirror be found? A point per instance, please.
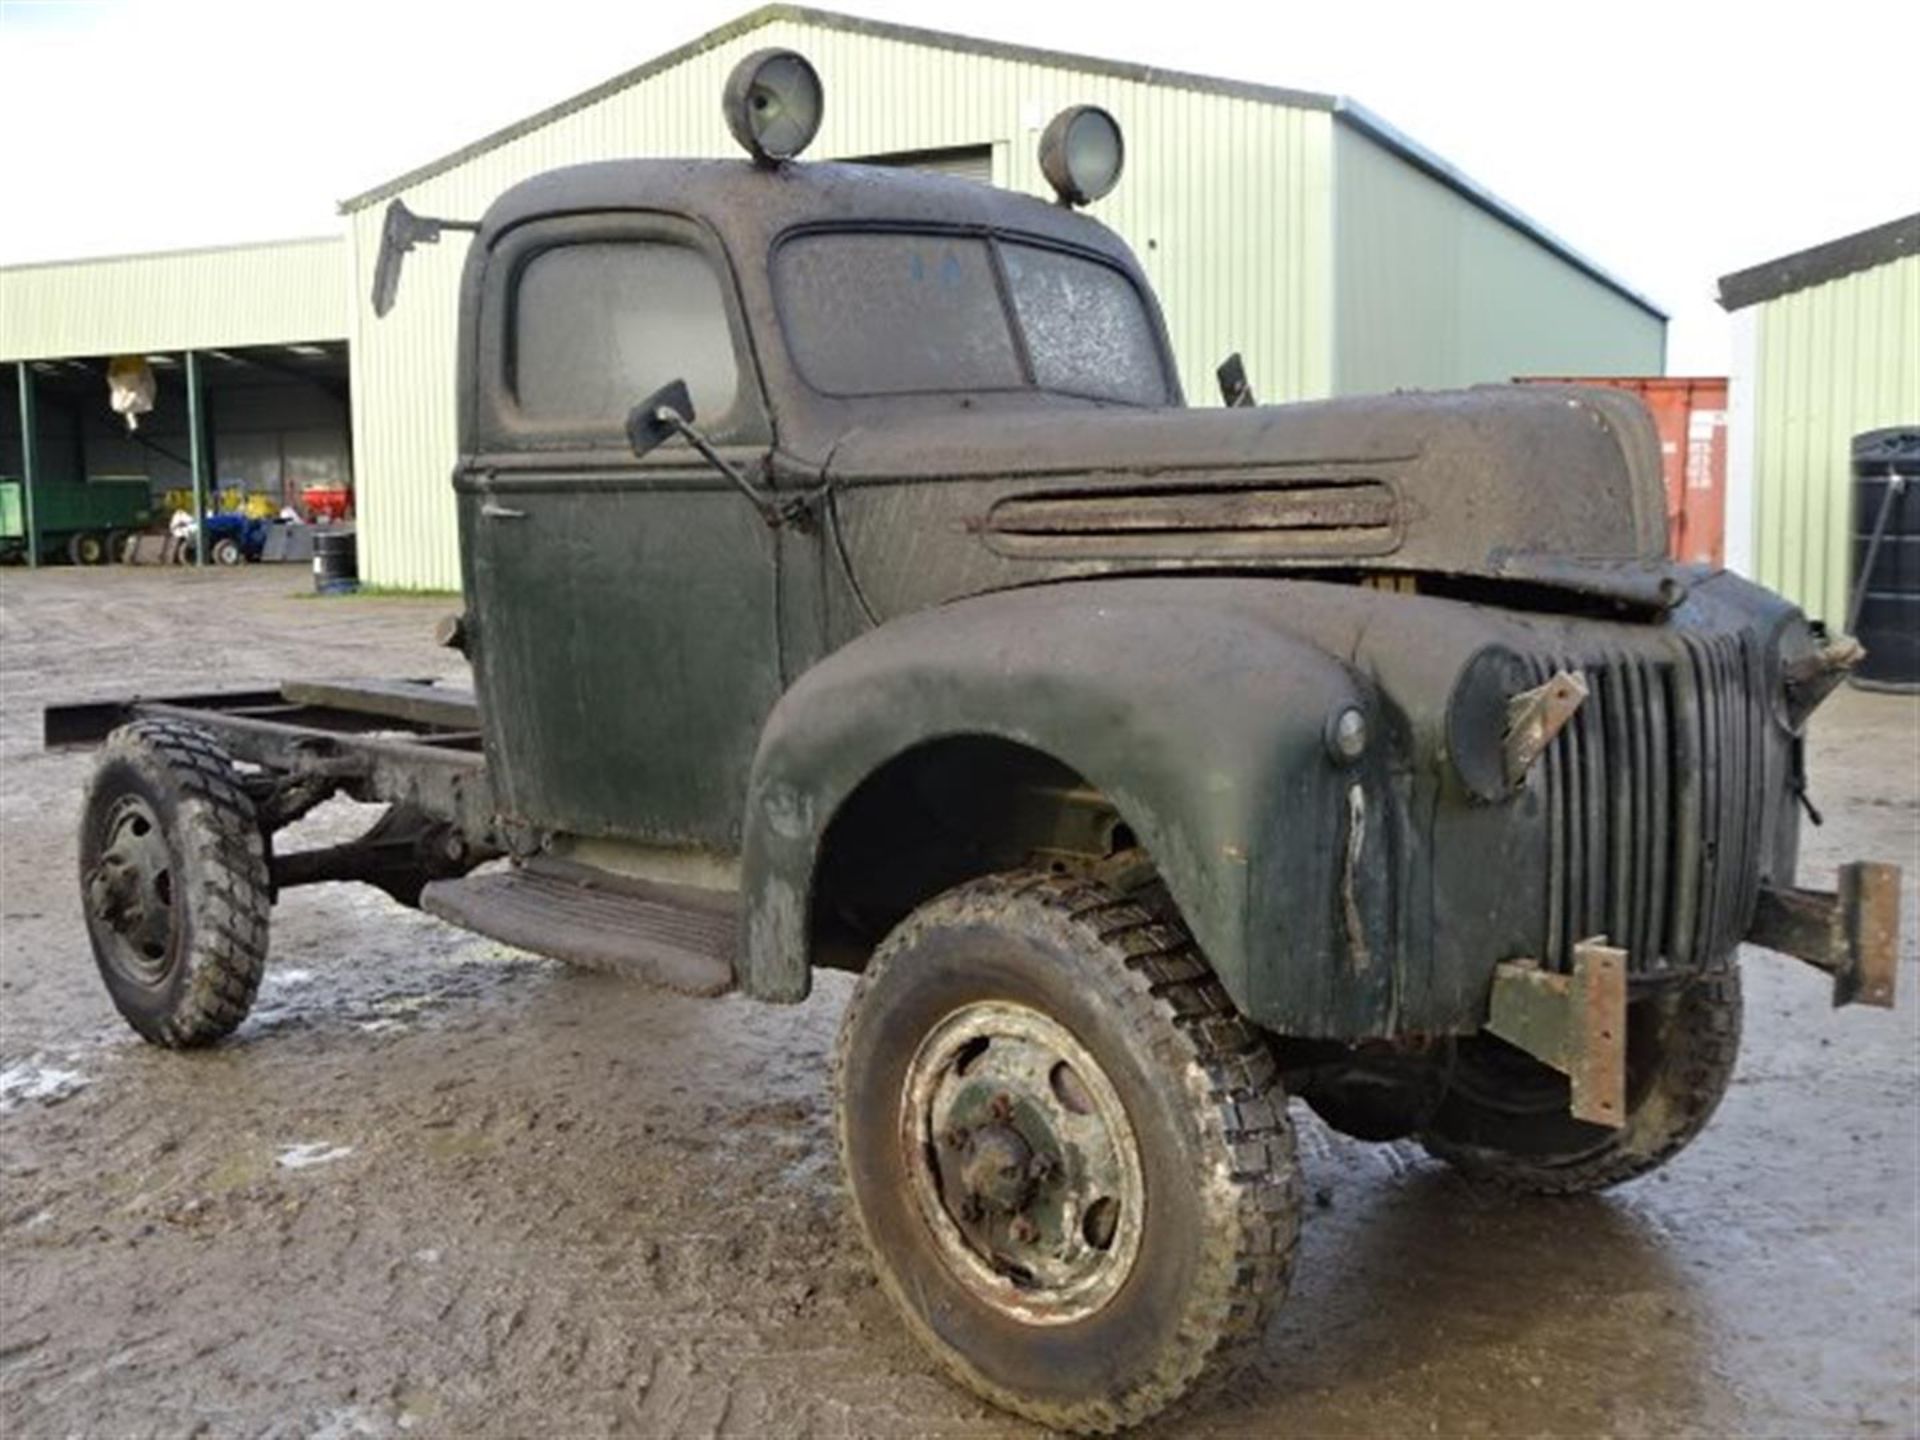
(400, 231)
(647, 426)
(1236, 391)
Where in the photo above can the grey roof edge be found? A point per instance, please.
(1349, 111)
(232, 248)
(854, 24)
(1816, 265)
(1353, 113)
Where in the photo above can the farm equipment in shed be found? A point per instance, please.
(87, 521)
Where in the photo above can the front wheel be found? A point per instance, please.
(1505, 1116)
(1069, 1157)
(173, 880)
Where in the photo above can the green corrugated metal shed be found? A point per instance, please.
(227, 296)
(1333, 252)
(1826, 345)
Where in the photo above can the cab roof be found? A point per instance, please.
(750, 207)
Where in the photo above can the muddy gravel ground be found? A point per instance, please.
(437, 1187)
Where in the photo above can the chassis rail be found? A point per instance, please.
(410, 744)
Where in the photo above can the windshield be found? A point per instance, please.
(893, 314)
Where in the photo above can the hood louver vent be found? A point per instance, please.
(1319, 518)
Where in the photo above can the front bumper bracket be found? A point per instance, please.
(1852, 933)
(1576, 1023)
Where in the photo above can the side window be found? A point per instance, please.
(599, 326)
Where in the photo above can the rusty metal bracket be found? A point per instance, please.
(1853, 933)
(1535, 716)
(1576, 1023)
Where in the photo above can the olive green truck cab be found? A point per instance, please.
(849, 586)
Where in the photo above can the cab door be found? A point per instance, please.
(623, 611)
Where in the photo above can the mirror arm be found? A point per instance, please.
(776, 509)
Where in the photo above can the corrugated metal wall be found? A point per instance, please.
(1226, 200)
(236, 295)
(1831, 361)
(1432, 291)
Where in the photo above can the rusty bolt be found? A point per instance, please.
(957, 1137)
(1044, 1167)
(1002, 1107)
(971, 1209)
(1024, 1230)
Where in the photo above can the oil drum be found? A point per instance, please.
(336, 563)
(1884, 615)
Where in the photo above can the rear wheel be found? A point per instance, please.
(1068, 1155)
(226, 551)
(89, 547)
(173, 880)
(1505, 1116)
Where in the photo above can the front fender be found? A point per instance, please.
(1184, 702)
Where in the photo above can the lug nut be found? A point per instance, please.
(1024, 1230)
(1002, 1107)
(957, 1137)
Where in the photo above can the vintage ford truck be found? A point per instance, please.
(848, 585)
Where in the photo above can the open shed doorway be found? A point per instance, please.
(276, 422)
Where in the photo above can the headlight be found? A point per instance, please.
(773, 103)
(1477, 719)
(1081, 154)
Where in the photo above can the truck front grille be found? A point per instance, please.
(1655, 805)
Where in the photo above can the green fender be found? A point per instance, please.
(1187, 702)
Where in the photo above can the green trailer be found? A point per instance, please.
(86, 520)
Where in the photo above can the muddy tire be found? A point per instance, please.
(1505, 1120)
(173, 882)
(1069, 1157)
(226, 551)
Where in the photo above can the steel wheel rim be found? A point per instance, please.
(1024, 1165)
(130, 892)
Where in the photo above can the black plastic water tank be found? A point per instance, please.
(336, 563)
(1886, 599)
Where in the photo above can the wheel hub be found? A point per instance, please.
(130, 890)
(1024, 1163)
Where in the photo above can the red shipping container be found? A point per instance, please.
(1690, 412)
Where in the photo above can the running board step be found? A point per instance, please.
(672, 936)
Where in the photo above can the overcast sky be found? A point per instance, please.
(1670, 142)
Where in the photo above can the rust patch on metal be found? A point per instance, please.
(1852, 933)
(1576, 1023)
(1535, 716)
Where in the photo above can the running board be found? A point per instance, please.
(672, 936)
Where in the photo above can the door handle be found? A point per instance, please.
(501, 512)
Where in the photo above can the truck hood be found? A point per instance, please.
(1554, 485)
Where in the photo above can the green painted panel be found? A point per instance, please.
(1430, 290)
(1831, 361)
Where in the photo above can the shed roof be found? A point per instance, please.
(1343, 110)
(218, 296)
(1863, 250)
